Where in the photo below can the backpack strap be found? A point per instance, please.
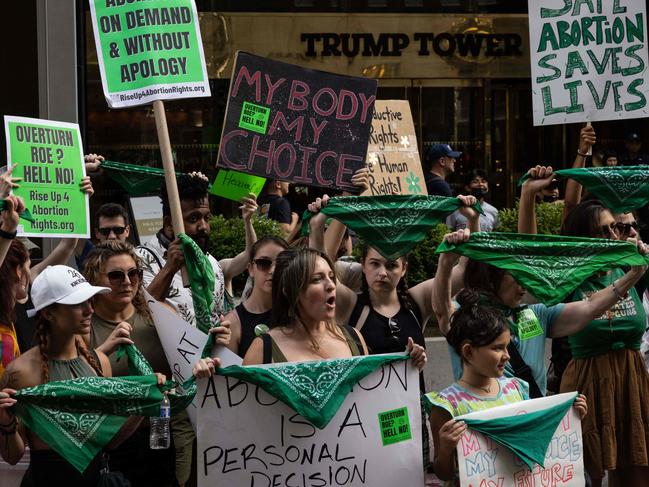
(522, 370)
(353, 340)
(362, 318)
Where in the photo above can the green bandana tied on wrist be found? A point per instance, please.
(393, 225)
(25, 215)
(135, 180)
(201, 281)
(548, 266)
(621, 189)
(316, 389)
(77, 418)
(527, 435)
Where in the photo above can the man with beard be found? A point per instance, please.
(162, 257)
(475, 184)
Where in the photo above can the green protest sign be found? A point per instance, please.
(235, 185)
(49, 156)
(149, 50)
(589, 60)
(394, 426)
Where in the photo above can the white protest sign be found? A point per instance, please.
(147, 216)
(484, 463)
(392, 155)
(183, 345)
(246, 437)
(588, 60)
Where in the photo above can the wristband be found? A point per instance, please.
(582, 154)
(8, 235)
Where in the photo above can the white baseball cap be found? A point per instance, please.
(61, 284)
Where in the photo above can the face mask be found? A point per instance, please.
(549, 198)
(479, 192)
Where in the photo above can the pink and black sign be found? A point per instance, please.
(295, 124)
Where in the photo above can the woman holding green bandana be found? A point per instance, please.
(606, 362)
(61, 298)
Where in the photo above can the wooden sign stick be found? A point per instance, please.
(170, 175)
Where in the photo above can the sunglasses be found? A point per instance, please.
(625, 228)
(116, 230)
(393, 330)
(118, 277)
(263, 264)
(609, 230)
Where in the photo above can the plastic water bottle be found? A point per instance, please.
(160, 436)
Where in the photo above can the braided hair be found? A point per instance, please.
(402, 286)
(42, 341)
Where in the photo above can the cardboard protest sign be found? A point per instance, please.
(295, 124)
(149, 51)
(392, 155)
(248, 437)
(483, 462)
(49, 156)
(183, 345)
(588, 60)
(235, 185)
(147, 216)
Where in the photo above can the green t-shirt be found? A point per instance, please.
(620, 327)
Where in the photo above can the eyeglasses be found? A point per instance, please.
(394, 330)
(625, 228)
(116, 230)
(263, 264)
(609, 230)
(118, 277)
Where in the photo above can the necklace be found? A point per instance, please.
(486, 390)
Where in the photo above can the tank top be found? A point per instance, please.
(71, 369)
(379, 336)
(273, 354)
(248, 323)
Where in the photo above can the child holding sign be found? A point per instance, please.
(480, 335)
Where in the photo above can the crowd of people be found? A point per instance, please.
(304, 302)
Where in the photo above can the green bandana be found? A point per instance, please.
(201, 281)
(25, 215)
(526, 435)
(391, 224)
(621, 189)
(313, 389)
(135, 180)
(77, 418)
(548, 266)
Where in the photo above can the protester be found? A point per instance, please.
(632, 156)
(61, 298)
(477, 185)
(303, 316)
(501, 291)
(610, 158)
(441, 164)
(480, 335)
(162, 257)
(587, 139)
(9, 218)
(256, 308)
(279, 207)
(111, 223)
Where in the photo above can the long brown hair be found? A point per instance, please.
(16, 257)
(43, 342)
(293, 270)
(96, 263)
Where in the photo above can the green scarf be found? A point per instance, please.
(201, 280)
(25, 215)
(548, 266)
(77, 418)
(135, 180)
(391, 224)
(526, 435)
(621, 189)
(315, 390)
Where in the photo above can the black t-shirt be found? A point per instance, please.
(279, 209)
(248, 323)
(436, 186)
(642, 159)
